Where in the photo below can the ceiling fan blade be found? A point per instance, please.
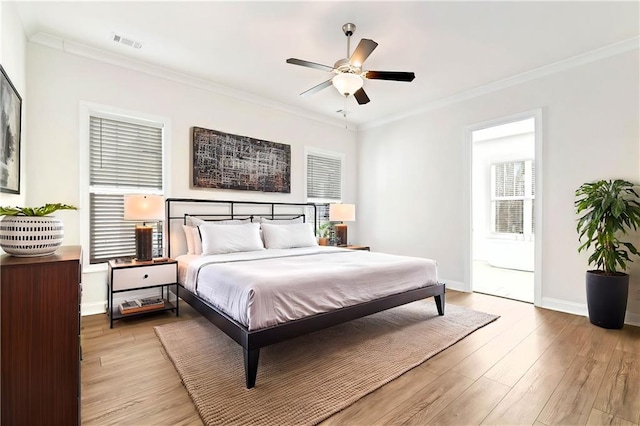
(362, 52)
(300, 62)
(390, 75)
(317, 88)
(361, 96)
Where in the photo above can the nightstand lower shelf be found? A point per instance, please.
(116, 314)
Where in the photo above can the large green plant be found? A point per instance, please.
(609, 209)
(35, 211)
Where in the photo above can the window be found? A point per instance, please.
(324, 179)
(125, 157)
(512, 199)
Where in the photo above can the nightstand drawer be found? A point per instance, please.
(144, 276)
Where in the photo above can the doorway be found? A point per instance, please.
(503, 206)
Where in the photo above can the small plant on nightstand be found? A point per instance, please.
(324, 233)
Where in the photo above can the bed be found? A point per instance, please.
(259, 276)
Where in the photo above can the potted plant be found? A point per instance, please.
(324, 232)
(31, 231)
(609, 209)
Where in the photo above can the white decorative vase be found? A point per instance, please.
(29, 236)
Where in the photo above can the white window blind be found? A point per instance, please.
(324, 178)
(513, 197)
(125, 158)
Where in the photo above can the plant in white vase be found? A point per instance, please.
(31, 231)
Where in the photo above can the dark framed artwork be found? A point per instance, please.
(10, 122)
(228, 161)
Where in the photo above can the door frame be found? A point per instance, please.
(537, 115)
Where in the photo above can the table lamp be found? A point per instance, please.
(144, 208)
(342, 213)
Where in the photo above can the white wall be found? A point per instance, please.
(13, 48)
(60, 81)
(412, 199)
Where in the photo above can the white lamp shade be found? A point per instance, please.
(144, 208)
(342, 212)
(347, 84)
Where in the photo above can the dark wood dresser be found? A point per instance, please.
(40, 349)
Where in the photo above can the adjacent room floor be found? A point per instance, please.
(509, 283)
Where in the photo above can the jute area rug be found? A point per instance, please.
(307, 379)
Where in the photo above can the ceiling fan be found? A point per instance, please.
(349, 76)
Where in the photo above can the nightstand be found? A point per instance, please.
(133, 275)
(367, 248)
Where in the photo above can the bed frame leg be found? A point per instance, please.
(251, 366)
(439, 303)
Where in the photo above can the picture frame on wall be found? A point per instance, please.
(10, 129)
(227, 161)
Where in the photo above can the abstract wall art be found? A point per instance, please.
(10, 122)
(228, 161)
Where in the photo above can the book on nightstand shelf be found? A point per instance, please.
(141, 305)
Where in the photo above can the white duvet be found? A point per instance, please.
(269, 287)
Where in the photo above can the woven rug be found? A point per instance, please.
(307, 379)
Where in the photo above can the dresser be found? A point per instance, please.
(40, 335)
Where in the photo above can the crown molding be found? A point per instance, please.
(536, 73)
(100, 55)
(82, 50)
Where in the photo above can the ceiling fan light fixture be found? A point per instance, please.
(347, 84)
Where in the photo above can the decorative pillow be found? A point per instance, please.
(294, 235)
(218, 239)
(295, 220)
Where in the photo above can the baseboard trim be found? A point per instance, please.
(454, 285)
(93, 308)
(630, 318)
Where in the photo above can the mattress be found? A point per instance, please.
(270, 287)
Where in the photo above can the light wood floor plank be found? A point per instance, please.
(598, 418)
(619, 394)
(488, 355)
(425, 404)
(516, 363)
(573, 399)
(527, 398)
(473, 405)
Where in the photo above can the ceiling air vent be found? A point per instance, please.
(126, 41)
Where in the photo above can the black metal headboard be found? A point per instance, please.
(178, 209)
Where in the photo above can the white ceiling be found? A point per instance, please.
(451, 46)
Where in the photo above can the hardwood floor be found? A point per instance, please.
(531, 366)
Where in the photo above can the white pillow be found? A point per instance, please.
(282, 237)
(197, 240)
(188, 233)
(196, 221)
(295, 220)
(218, 239)
(191, 231)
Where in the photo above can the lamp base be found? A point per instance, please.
(341, 234)
(144, 243)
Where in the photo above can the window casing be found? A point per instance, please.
(513, 198)
(125, 157)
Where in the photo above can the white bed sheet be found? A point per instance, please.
(270, 287)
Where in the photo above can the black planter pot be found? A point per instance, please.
(607, 298)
